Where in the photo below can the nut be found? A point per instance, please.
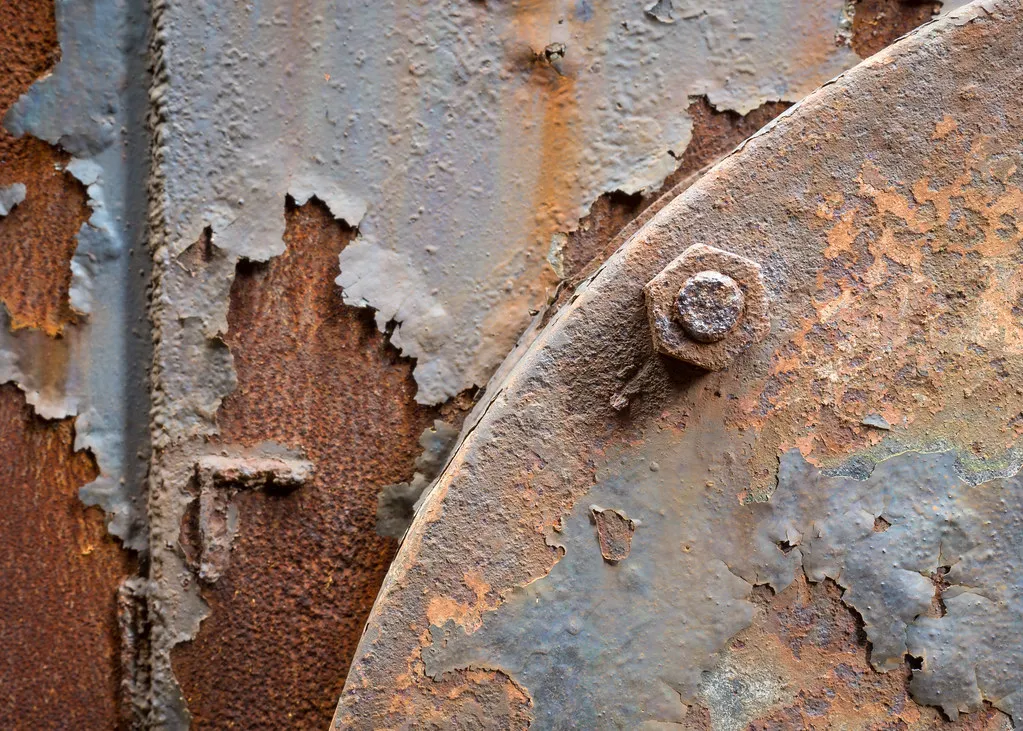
(707, 306)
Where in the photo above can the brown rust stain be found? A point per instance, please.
(877, 23)
(38, 237)
(477, 699)
(60, 571)
(890, 329)
(714, 134)
(614, 534)
(468, 614)
(551, 87)
(815, 645)
(305, 567)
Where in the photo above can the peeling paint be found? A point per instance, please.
(804, 660)
(92, 105)
(654, 624)
(433, 130)
(397, 503)
(10, 196)
(932, 518)
(587, 99)
(313, 374)
(499, 571)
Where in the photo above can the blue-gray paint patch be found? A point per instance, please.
(618, 645)
(10, 196)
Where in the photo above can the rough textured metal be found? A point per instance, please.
(726, 328)
(223, 164)
(42, 230)
(886, 212)
(709, 305)
(218, 480)
(396, 504)
(305, 567)
(877, 23)
(614, 532)
(459, 138)
(92, 105)
(60, 570)
(61, 663)
(883, 538)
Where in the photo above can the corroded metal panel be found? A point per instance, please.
(859, 465)
(61, 659)
(60, 570)
(78, 344)
(305, 566)
(488, 153)
(448, 96)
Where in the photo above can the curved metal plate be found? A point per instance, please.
(614, 517)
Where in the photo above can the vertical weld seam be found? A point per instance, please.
(144, 702)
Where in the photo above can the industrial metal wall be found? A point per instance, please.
(309, 233)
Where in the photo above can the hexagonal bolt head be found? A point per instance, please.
(707, 306)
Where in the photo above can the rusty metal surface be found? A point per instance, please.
(886, 213)
(803, 661)
(39, 234)
(877, 23)
(313, 374)
(78, 344)
(715, 133)
(222, 167)
(61, 656)
(60, 661)
(503, 141)
(294, 575)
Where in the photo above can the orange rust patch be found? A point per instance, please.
(463, 699)
(943, 128)
(468, 614)
(810, 640)
(915, 315)
(38, 238)
(614, 533)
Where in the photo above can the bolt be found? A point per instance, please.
(554, 52)
(709, 305)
